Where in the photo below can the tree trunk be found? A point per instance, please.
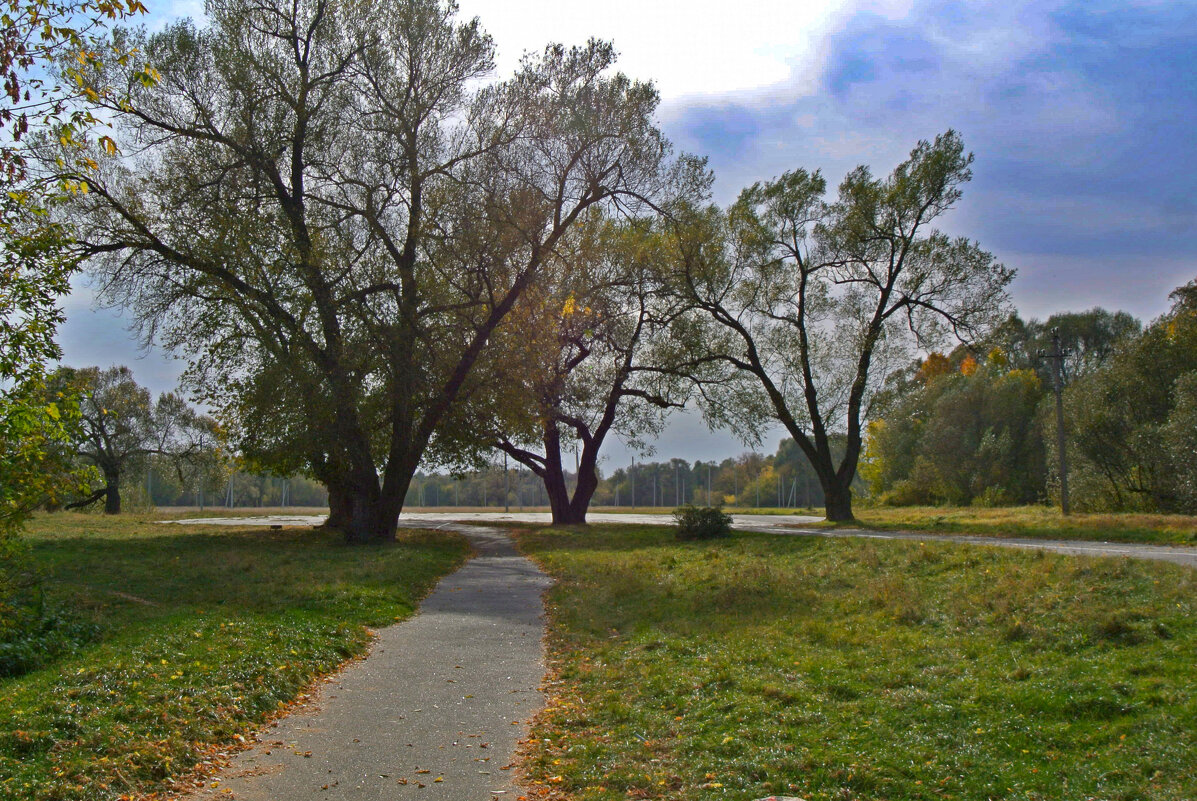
(112, 502)
(340, 508)
(559, 502)
(837, 501)
(372, 518)
(566, 511)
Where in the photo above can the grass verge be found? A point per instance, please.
(203, 633)
(848, 669)
(1036, 522)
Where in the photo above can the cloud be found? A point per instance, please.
(100, 337)
(1080, 114)
(686, 47)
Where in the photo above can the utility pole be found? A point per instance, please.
(506, 486)
(632, 480)
(708, 484)
(1056, 359)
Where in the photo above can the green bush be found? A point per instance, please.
(701, 522)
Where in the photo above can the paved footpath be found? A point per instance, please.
(434, 713)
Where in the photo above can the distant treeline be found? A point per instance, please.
(978, 426)
(160, 485)
(784, 479)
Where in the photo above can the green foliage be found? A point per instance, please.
(39, 36)
(50, 53)
(844, 669)
(961, 438)
(702, 522)
(1130, 423)
(202, 635)
(36, 468)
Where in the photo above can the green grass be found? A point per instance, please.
(203, 632)
(850, 669)
(1039, 522)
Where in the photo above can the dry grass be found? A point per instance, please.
(1039, 522)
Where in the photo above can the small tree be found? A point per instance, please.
(813, 302)
(120, 426)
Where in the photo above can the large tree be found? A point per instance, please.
(334, 191)
(813, 302)
(588, 354)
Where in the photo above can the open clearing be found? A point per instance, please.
(830, 668)
(860, 669)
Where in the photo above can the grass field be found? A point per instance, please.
(846, 669)
(1038, 522)
(200, 633)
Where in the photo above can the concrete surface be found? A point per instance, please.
(436, 710)
(770, 524)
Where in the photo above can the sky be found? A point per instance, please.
(1080, 114)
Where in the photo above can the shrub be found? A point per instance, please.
(701, 522)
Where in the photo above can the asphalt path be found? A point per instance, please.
(436, 710)
(771, 524)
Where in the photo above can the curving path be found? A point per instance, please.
(436, 710)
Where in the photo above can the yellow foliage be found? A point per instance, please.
(936, 364)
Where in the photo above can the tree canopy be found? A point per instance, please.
(588, 355)
(812, 302)
(333, 196)
(121, 426)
